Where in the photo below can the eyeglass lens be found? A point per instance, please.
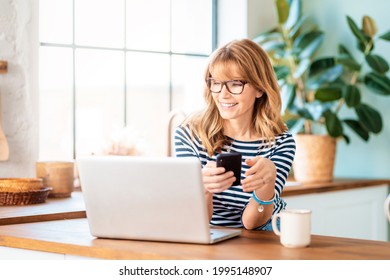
(233, 86)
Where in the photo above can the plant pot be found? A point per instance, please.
(314, 158)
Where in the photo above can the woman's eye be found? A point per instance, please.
(236, 84)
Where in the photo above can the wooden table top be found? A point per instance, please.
(72, 237)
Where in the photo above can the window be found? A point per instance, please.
(107, 64)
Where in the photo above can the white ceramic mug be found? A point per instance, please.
(387, 207)
(295, 227)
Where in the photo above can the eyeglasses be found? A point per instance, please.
(235, 87)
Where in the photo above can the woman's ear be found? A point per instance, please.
(259, 94)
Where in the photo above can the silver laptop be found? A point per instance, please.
(147, 198)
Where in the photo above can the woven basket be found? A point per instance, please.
(22, 191)
(314, 158)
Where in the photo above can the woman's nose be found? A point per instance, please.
(224, 91)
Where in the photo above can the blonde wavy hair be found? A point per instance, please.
(254, 66)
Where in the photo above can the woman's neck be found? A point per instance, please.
(238, 131)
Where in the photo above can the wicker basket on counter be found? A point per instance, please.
(22, 191)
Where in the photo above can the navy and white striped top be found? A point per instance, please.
(229, 205)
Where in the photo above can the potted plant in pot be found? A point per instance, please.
(315, 89)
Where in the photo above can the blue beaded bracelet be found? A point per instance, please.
(259, 201)
(260, 208)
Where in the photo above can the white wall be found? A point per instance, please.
(239, 19)
(358, 159)
(19, 87)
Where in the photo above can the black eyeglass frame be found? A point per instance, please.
(208, 82)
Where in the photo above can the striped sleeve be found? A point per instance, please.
(184, 145)
(282, 157)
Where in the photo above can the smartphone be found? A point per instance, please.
(231, 162)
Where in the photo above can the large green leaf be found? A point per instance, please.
(294, 14)
(344, 50)
(304, 113)
(346, 138)
(348, 62)
(308, 43)
(333, 124)
(294, 30)
(288, 97)
(302, 67)
(352, 96)
(378, 83)
(377, 63)
(358, 128)
(281, 71)
(320, 65)
(317, 109)
(272, 35)
(273, 46)
(369, 118)
(356, 31)
(385, 36)
(326, 76)
(295, 125)
(326, 94)
(283, 10)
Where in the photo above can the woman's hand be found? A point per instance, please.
(260, 176)
(215, 180)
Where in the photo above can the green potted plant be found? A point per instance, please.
(314, 89)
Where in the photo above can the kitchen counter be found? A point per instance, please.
(293, 188)
(53, 209)
(59, 227)
(73, 207)
(72, 237)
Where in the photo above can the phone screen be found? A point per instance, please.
(231, 162)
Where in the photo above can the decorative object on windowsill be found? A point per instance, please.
(22, 191)
(58, 175)
(124, 142)
(315, 89)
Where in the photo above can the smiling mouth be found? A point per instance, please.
(228, 105)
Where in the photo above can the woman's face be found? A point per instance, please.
(235, 107)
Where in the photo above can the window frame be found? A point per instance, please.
(74, 47)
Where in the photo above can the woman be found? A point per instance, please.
(242, 115)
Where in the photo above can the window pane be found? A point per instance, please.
(148, 25)
(188, 82)
(55, 104)
(99, 98)
(100, 23)
(191, 26)
(148, 98)
(55, 21)
(116, 87)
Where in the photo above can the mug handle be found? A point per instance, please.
(387, 207)
(274, 225)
